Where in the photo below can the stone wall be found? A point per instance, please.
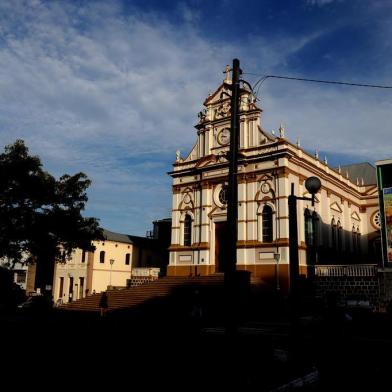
(139, 280)
(360, 288)
(385, 276)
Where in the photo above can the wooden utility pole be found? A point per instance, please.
(230, 277)
(232, 202)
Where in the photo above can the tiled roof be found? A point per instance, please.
(363, 170)
(124, 238)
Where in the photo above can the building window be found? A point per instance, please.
(71, 288)
(315, 221)
(102, 256)
(187, 230)
(309, 229)
(333, 233)
(339, 236)
(83, 256)
(127, 258)
(354, 238)
(267, 223)
(358, 241)
(223, 195)
(61, 288)
(21, 277)
(81, 287)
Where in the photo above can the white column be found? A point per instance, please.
(242, 211)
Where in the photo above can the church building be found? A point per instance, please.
(342, 227)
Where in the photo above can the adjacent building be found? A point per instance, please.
(109, 266)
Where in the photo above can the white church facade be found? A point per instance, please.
(342, 226)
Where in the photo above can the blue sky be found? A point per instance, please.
(113, 88)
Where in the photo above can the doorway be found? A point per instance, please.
(70, 291)
(221, 245)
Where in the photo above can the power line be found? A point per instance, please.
(328, 81)
(265, 77)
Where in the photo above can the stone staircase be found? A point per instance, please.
(134, 296)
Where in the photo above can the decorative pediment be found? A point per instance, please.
(192, 155)
(186, 200)
(264, 177)
(265, 189)
(355, 216)
(207, 160)
(216, 97)
(335, 206)
(220, 102)
(265, 137)
(217, 211)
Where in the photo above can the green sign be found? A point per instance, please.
(387, 193)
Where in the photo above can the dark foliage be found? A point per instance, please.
(39, 215)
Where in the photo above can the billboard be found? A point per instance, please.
(387, 197)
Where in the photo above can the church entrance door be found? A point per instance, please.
(221, 245)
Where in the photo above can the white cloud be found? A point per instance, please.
(93, 90)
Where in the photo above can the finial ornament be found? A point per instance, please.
(340, 170)
(298, 142)
(281, 130)
(202, 115)
(178, 156)
(325, 160)
(227, 71)
(316, 154)
(362, 182)
(347, 175)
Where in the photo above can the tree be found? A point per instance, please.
(39, 215)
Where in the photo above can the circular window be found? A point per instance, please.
(223, 195)
(265, 188)
(187, 198)
(376, 220)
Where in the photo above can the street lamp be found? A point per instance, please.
(313, 185)
(111, 261)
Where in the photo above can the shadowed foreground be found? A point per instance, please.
(164, 345)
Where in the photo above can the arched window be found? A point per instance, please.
(358, 241)
(83, 256)
(315, 221)
(102, 256)
(267, 223)
(309, 233)
(339, 237)
(127, 258)
(354, 239)
(333, 234)
(311, 220)
(187, 230)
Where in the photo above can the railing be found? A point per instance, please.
(142, 272)
(346, 270)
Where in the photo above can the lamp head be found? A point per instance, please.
(313, 185)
